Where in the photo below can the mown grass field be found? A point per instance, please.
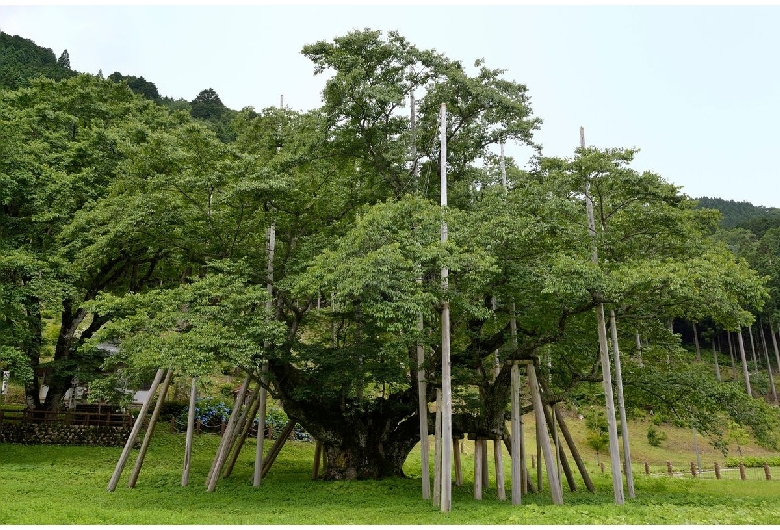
(67, 485)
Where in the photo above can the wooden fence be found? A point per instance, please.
(76, 417)
(713, 471)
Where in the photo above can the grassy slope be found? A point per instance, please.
(67, 485)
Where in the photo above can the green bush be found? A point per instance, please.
(174, 408)
(753, 461)
(655, 437)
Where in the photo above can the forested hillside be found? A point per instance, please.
(21, 60)
(741, 213)
(320, 256)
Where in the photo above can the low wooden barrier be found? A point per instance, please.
(113, 419)
(65, 428)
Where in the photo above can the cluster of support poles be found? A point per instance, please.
(554, 458)
(231, 443)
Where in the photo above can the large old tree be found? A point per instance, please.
(146, 230)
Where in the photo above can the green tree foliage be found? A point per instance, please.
(64, 147)
(766, 260)
(63, 61)
(655, 436)
(138, 85)
(737, 213)
(208, 107)
(656, 263)
(598, 435)
(22, 60)
(150, 230)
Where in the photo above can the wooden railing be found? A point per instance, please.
(114, 419)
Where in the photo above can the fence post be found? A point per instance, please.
(742, 471)
(717, 471)
(693, 469)
(767, 472)
(669, 467)
(647, 468)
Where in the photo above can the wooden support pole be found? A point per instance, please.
(517, 464)
(529, 485)
(185, 475)
(525, 476)
(242, 427)
(621, 405)
(552, 471)
(574, 452)
(499, 464)
(226, 440)
(478, 464)
(606, 371)
(257, 476)
(422, 396)
(539, 434)
(422, 404)
(446, 386)
(120, 465)
(277, 447)
(457, 462)
(742, 471)
(561, 454)
(139, 461)
(437, 452)
(485, 467)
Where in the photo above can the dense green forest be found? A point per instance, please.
(304, 250)
(741, 214)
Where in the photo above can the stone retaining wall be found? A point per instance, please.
(63, 434)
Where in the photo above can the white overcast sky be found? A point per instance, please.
(696, 88)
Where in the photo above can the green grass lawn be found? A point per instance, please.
(67, 485)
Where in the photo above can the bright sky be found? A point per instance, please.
(696, 88)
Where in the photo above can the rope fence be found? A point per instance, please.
(710, 471)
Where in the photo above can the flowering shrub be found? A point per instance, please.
(211, 412)
(275, 421)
